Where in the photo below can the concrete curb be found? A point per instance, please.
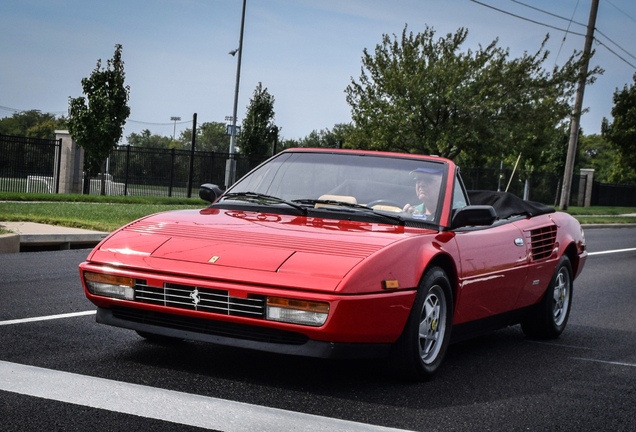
(30, 235)
(9, 243)
(598, 226)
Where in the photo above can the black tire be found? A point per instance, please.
(549, 318)
(161, 339)
(417, 356)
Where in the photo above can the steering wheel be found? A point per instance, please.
(384, 202)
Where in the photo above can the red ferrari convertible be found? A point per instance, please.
(337, 253)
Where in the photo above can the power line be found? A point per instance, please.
(549, 13)
(15, 110)
(621, 48)
(9, 109)
(623, 12)
(581, 24)
(524, 18)
(566, 33)
(560, 29)
(613, 52)
(159, 124)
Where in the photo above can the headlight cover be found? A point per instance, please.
(294, 311)
(112, 286)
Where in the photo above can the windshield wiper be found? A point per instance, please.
(263, 199)
(332, 202)
(352, 206)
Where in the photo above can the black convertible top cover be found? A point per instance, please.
(507, 204)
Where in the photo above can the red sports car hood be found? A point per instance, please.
(254, 248)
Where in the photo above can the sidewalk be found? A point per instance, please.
(30, 235)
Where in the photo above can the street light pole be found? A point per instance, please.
(231, 169)
(174, 130)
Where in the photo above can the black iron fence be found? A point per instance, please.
(166, 172)
(613, 195)
(29, 164)
(531, 185)
(33, 165)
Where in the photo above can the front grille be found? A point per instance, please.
(542, 242)
(199, 299)
(210, 327)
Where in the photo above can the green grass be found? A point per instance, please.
(605, 220)
(600, 211)
(94, 212)
(88, 215)
(603, 215)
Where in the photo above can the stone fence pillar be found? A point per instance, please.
(71, 164)
(585, 187)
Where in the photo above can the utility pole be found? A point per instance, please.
(230, 170)
(578, 106)
(194, 140)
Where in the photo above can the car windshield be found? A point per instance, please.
(399, 187)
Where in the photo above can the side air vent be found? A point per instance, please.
(542, 242)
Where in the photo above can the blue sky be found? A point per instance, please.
(303, 51)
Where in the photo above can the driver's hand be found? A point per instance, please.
(410, 209)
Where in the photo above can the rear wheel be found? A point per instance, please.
(421, 348)
(549, 318)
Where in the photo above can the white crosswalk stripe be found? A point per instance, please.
(166, 405)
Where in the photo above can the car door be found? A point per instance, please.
(492, 273)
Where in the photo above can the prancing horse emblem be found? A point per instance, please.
(194, 295)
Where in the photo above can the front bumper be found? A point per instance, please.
(236, 335)
(366, 319)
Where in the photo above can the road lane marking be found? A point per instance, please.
(561, 345)
(611, 251)
(48, 317)
(603, 361)
(166, 405)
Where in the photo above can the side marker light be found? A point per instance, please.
(390, 284)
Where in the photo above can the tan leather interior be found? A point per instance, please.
(343, 198)
(388, 208)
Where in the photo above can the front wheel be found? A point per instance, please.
(421, 348)
(549, 318)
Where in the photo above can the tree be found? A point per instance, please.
(317, 139)
(325, 138)
(97, 121)
(148, 139)
(420, 95)
(32, 123)
(258, 131)
(211, 136)
(621, 133)
(601, 155)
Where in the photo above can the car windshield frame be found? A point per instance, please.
(345, 185)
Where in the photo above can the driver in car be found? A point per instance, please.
(427, 186)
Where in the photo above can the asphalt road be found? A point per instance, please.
(583, 381)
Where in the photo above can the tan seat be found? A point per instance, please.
(388, 208)
(344, 198)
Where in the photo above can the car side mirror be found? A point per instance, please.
(474, 215)
(209, 192)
